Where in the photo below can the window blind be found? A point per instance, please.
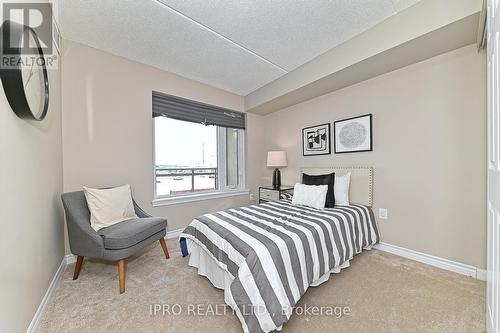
(196, 112)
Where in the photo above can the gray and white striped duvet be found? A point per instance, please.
(275, 251)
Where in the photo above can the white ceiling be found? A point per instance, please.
(236, 45)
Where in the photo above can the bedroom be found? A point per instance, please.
(416, 71)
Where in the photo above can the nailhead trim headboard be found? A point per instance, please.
(361, 187)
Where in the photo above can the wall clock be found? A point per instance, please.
(25, 82)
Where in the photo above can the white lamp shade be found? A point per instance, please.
(276, 159)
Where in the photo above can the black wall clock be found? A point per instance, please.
(25, 82)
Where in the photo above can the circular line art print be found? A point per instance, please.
(353, 135)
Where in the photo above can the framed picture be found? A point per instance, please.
(353, 134)
(316, 140)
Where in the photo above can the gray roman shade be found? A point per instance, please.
(196, 112)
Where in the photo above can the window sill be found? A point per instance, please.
(166, 201)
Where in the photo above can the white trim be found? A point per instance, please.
(428, 259)
(222, 159)
(165, 201)
(173, 234)
(481, 274)
(489, 319)
(33, 326)
(242, 162)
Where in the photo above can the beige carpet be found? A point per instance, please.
(384, 293)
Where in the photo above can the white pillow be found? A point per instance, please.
(310, 195)
(109, 206)
(341, 189)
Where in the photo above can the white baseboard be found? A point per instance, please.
(174, 234)
(33, 327)
(428, 259)
(481, 274)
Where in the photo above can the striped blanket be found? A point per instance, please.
(274, 251)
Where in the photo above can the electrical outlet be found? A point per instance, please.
(251, 197)
(382, 213)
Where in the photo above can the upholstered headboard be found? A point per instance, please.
(361, 188)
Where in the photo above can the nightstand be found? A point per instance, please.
(269, 193)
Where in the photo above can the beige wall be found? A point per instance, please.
(429, 155)
(31, 237)
(429, 150)
(429, 142)
(107, 127)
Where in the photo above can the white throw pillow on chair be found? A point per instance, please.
(109, 206)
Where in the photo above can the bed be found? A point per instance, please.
(266, 256)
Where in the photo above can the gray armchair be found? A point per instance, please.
(114, 243)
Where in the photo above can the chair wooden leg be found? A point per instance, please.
(164, 247)
(121, 275)
(78, 267)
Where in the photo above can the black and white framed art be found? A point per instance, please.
(353, 134)
(316, 140)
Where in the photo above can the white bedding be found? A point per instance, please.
(220, 278)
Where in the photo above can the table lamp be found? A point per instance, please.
(276, 159)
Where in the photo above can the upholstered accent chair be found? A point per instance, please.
(113, 243)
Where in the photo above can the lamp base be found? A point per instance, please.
(276, 178)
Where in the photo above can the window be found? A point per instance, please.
(194, 160)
